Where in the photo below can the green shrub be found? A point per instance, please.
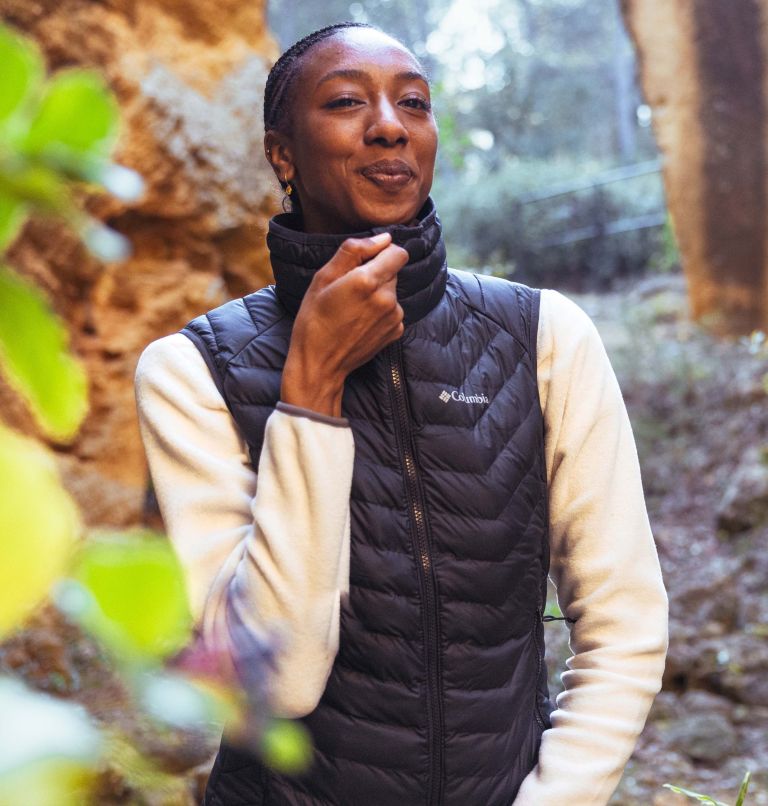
(488, 228)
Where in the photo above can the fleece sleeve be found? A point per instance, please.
(604, 565)
(267, 556)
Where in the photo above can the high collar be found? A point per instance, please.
(297, 255)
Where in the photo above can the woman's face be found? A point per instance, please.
(361, 150)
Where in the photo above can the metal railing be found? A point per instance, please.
(598, 228)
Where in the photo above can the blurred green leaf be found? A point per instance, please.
(21, 74)
(743, 789)
(77, 110)
(123, 183)
(286, 746)
(49, 749)
(141, 774)
(48, 782)
(140, 603)
(35, 184)
(11, 219)
(34, 354)
(182, 703)
(36, 727)
(52, 782)
(104, 242)
(695, 795)
(39, 524)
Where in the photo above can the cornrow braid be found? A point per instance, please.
(283, 75)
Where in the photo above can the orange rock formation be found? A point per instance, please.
(189, 78)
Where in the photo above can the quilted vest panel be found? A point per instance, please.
(438, 694)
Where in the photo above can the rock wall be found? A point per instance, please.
(189, 78)
(703, 71)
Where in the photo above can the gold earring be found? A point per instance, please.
(288, 189)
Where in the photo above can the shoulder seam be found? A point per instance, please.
(213, 334)
(480, 286)
(210, 362)
(533, 325)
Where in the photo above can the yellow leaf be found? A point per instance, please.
(39, 524)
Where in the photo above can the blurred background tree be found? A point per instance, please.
(703, 67)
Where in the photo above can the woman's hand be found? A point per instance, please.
(348, 314)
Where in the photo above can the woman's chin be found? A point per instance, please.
(367, 214)
(391, 215)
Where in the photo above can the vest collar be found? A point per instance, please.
(297, 255)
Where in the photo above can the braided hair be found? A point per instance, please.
(282, 76)
(281, 80)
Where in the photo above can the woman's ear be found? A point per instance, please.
(278, 152)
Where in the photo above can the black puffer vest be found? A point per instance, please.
(438, 695)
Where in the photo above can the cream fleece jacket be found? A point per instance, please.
(279, 549)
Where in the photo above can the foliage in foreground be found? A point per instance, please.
(125, 589)
(707, 799)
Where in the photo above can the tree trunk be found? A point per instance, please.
(189, 78)
(702, 70)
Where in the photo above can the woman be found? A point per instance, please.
(429, 446)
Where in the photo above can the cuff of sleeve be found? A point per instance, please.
(299, 411)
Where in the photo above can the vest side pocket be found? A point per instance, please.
(529, 751)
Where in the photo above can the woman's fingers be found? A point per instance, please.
(384, 267)
(366, 263)
(348, 314)
(352, 253)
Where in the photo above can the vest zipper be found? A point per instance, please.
(539, 662)
(427, 582)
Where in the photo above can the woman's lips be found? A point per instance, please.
(388, 174)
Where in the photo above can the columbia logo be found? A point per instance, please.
(462, 398)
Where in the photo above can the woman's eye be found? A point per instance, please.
(418, 103)
(342, 102)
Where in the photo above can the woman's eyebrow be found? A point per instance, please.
(361, 75)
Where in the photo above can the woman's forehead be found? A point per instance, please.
(354, 49)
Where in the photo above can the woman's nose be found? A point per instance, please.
(385, 126)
